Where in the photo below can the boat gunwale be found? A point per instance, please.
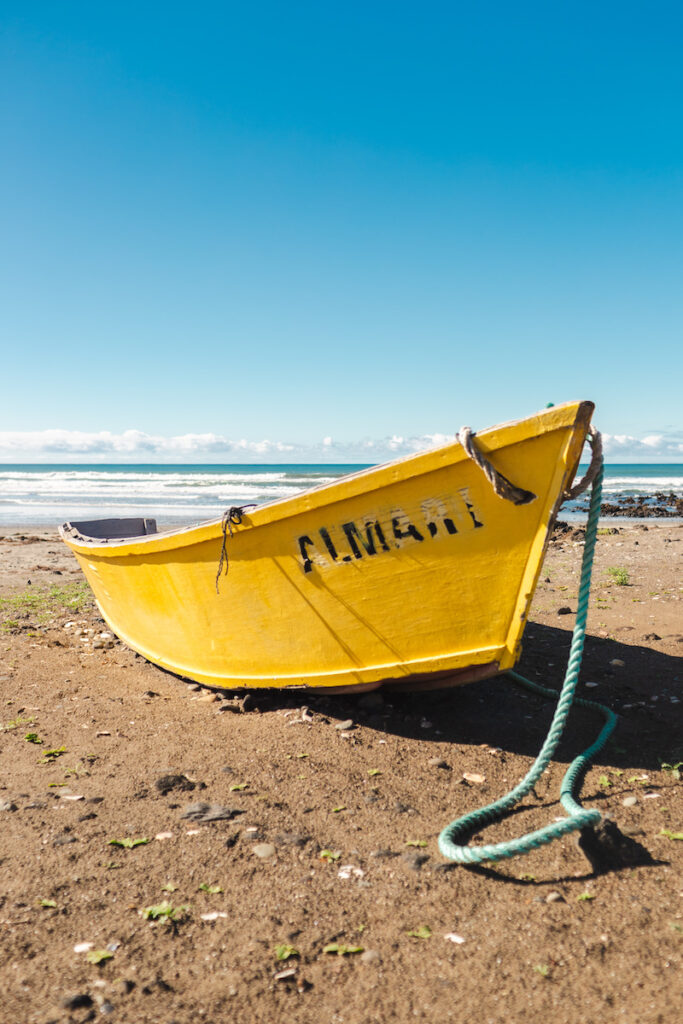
(565, 415)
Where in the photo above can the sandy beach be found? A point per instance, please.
(171, 856)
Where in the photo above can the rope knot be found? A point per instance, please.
(503, 487)
(231, 517)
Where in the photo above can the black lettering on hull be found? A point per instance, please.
(470, 508)
(328, 543)
(356, 539)
(368, 538)
(305, 542)
(437, 517)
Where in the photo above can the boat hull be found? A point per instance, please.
(410, 574)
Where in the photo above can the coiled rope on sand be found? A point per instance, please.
(453, 836)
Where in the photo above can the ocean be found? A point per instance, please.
(47, 495)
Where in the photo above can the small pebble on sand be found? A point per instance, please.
(370, 956)
(264, 850)
(286, 975)
(350, 871)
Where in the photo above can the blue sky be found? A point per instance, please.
(292, 222)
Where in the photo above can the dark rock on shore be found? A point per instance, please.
(661, 506)
(168, 782)
(658, 506)
(565, 531)
(210, 812)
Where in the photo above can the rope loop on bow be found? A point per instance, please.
(231, 517)
(595, 441)
(503, 487)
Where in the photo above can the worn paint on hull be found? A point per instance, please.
(411, 573)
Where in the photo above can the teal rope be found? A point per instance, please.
(579, 817)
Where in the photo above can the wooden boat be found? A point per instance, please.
(410, 574)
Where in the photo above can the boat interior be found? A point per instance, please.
(112, 529)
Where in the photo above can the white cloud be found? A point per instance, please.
(137, 446)
(664, 447)
(129, 446)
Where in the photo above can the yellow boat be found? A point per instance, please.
(411, 574)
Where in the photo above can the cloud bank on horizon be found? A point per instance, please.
(131, 446)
